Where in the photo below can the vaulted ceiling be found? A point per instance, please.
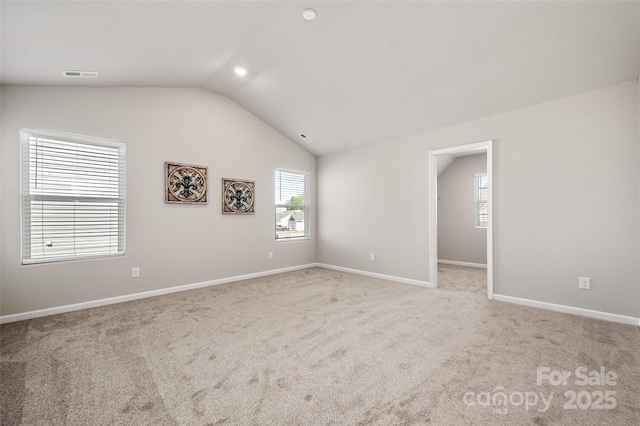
(361, 72)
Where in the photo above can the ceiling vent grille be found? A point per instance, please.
(305, 137)
(80, 74)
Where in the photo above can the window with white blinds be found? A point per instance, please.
(292, 205)
(481, 191)
(73, 196)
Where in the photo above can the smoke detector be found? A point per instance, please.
(309, 14)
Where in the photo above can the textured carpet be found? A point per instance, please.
(462, 278)
(317, 347)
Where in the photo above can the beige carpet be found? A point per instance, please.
(315, 347)
(462, 278)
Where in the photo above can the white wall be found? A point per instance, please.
(566, 201)
(172, 244)
(458, 238)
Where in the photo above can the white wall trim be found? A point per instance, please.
(128, 297)
(376, 275)
(624, 319)
(469, 264)
(486, 146)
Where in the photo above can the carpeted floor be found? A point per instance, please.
(318, 347)
(462, 278)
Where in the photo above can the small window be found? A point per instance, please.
(73, 196)
(292, 205)
(481, 198)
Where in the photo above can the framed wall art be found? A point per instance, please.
(237, 196)
(185, 183)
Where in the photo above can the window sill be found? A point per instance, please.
(68, 259)
(291, 240)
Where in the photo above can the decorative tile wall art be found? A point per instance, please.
(237, 196)
(185, 183)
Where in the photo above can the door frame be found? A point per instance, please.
(480, 147)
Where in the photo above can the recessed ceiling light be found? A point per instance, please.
(309, 14)
(240, 71)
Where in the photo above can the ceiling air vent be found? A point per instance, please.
(80, 74)
(305, 137)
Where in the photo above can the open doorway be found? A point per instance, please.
(438, 160)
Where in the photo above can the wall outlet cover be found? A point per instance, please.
(584, 283)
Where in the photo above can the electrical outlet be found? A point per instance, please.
(373, 257)
(584, 283)
(270, 255)
(135, 272)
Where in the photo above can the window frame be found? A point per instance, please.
(306, 206)
(478, 202)
(27, 197)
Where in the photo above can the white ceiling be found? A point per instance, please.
(362, 72)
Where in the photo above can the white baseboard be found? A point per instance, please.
(624, 319)
(455, 262)
(376, 275)
(127, 297)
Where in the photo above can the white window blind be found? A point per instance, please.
(481, 198)
(73, 196)
(292, 205)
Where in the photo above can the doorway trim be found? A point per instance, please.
(480, 147)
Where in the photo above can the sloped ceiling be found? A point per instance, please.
(362, 72)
